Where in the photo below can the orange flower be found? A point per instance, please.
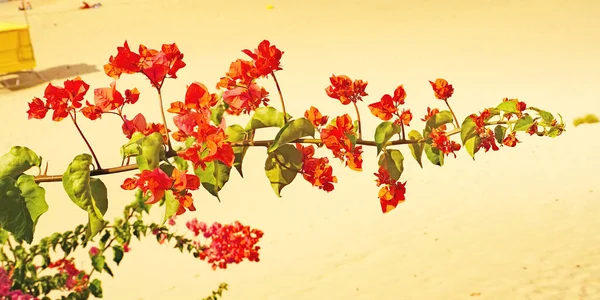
(442, 89)
(156, 182)
(405, 117)
(346, 90)
(488, 140)
(440, 140)
(62, 100)
(315, 117)
(387, 107)
(510, 140)
(391, 195)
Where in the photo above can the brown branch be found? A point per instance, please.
(263, 143)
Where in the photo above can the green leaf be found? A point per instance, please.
(216, 113)
(90, 195)
(439, 119)
(118, 254)
(546, 116)
(148, 150)
(265, 116)
(180, 163)
(17, 161)
(98, 262)
(282, 166)
(3, 236)
(523, 123)
(471, 145)
(189, 142)
(417, 148)
(508, 106)
(171, 206)
(214, 177)
(552, 132)
(499, 133)
(434, 155)
(291, 131)
(467, 130)
(96, 288)
(236, 133)
(393, 161)
(22, 202)
(384, 132)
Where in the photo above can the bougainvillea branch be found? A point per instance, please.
(205, 149)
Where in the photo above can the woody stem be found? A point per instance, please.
(86, 141)
(452, 112)
(164, 119)
(280, 97)
(358, 119)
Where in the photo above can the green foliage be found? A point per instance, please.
(384, 132)
(282, 166)
(214, 177)
(22, 202)
(291, 131)
(416, 148)
(393, 161)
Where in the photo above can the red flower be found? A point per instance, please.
(387, 107)
(245, 99)
(346, 90)
(266, 59)
(405, 117)
(315, 117)
(138, 124)
(335, 138)
(77, 280)
(440, 140)
(156, 182)
(510, 140)
(317, 171)
(62, 100)
(488, 140)
(442, 89)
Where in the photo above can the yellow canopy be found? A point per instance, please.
(16, 52)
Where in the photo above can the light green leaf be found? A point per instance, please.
(17, 161)
(523, 123)
(282, 166)
(508, 106)
(291, 131)
(22, 202)
(384, 132)
(90, 195)
(434, 155)
(171, 205)
(417, 148)
(467, 130)
(216, 113)
(214, 177)
(471, 145)
(236, 133)
(148, 150)
(265, 116)
(393, 161)
(439, 119)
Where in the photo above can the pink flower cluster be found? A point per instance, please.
(6, 293)
(231, 243)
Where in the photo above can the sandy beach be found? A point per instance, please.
(519, 223)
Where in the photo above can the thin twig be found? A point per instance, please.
(86, 141)
(280, 97)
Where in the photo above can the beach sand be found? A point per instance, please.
(520, 223)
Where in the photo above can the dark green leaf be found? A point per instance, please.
(96, 288)
(22, 202)
(98, 262)
(17, 161)
(282, 166)
(441, 118)
(118, 254)
(393, 161)
(180, 163)
(384, 132)
(499, 133)
(416, 148)
(291, 131)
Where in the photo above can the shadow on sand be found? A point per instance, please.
(24, 80)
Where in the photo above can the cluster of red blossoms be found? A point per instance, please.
(228, 243)
(316, 170)
(346, 90)
(242, 94)
(336, 138)
(392, 192)
(157, 182)
(77, 280)
(388, 107)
